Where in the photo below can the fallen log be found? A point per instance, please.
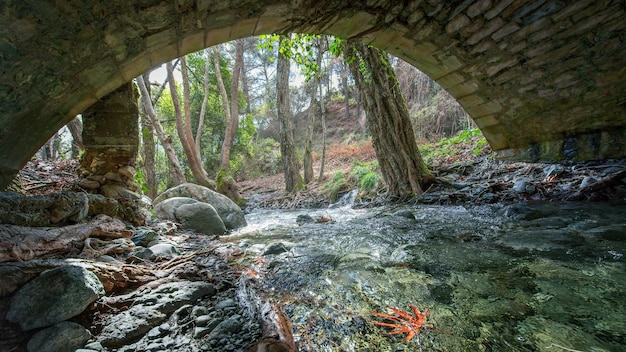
(18, 243)
(276, 328)
(605, 182)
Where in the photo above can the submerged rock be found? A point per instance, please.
(54, 296)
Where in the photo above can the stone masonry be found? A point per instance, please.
(543, 79)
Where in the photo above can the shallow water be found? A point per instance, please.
(526, 277)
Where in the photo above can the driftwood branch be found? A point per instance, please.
(276, 328)
(18, 243)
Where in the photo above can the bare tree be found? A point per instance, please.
(166, 141)
(183, 125)
(226, 184)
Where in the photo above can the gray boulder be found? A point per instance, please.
(231, 213)
(201, 217)
(192, 214)
(62, 337)
(167, 208)
(54, 296)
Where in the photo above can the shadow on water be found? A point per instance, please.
(524, 277)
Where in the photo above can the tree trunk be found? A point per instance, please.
(183, 125)
(308, 144)
(76, 130)
(148, 150)
(293, 180)
(166, 141)
(323, 116)
(387, 116)
(313, 109)
(205, 99)
(225, 182)
(230, 110)
(346, 91)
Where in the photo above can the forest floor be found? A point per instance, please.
(466, 171)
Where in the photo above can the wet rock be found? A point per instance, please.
(304, 219)
(405, 214)
(230, 325)
(553, 170)
(276, 248)
(61, 337)
(54, 296)
(524, 185)
(587, 181)
(201, 217)
(142, 236)
(230, 213)
(151, 309)
(164, 250)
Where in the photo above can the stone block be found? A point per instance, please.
(478, 7)
(488, 29)
(505, 31)
(451, 80)
(498, 8)
(457, 23)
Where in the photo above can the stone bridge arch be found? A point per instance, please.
(543, 79)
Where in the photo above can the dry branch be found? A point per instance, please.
(19, 243)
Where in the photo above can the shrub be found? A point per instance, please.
(369, 182)
(336, 185)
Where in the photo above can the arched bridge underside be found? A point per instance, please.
(543, 79)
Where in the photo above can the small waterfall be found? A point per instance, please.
(346, 200)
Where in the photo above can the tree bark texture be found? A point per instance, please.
(293, 180)
(313, 109)
(205, 99)
(388, 119)
(183, 125)
(76, 130)
(148, 150)
(166, 141)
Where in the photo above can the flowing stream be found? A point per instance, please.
(523, 277)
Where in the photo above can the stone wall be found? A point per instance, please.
(111, 141)
(534, 75)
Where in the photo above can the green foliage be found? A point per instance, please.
(365, 175)
(336, 185)
(369, 182)
(480, 145)
(140, 180)
(448, 147)
(263, 159)
(299, 48)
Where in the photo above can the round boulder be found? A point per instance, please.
(54, 296)
(229, 211)
(62, 337)
(201, 217)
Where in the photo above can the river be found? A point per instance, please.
(523, 277)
